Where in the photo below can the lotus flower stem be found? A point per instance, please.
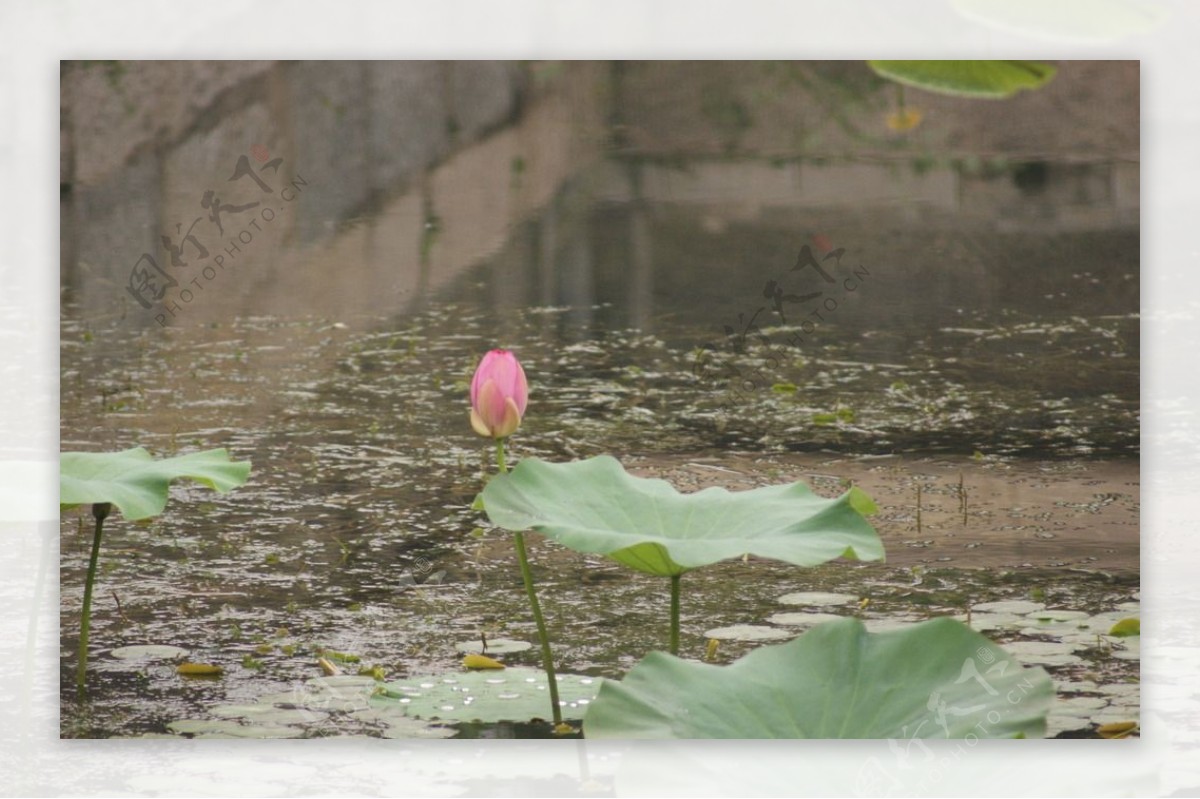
(675, 614)
(100, 511)
(918, 508)
(527, 576)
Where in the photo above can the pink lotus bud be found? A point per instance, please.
(498, 395)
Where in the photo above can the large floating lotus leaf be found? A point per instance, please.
(137, 483)
(595, 506)
(515, 694)
(936, 679)
(988, 79)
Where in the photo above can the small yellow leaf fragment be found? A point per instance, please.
(1117, 729)
(474, 661)
(376, 672)
(1126, 627)
(903, 120)
(710, 651)
(328, 666)
(562, 728)
(199, 670)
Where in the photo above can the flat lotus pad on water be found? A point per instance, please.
(266, 714)
(148, 652)
(498, 646)
(1050, 616)
(1045, 653)
(936, 679)
(1018, 606)
(137, 483)
(225, 728)
(595, 506)
(817, 598)
(994, 621)
(338, 705)
(515, 694)
(1102, 623)
(803, 619)
(886, 624)
(748, 632)
(1056, 623)
(344, 682)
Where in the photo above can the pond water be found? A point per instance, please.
(988, 355)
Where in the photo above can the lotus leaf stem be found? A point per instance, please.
(100, 512)
(527, 576)
(675, 613)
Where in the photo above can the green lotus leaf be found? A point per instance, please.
(936, 679)
(595, 506)
(137, 483)
(983, 79)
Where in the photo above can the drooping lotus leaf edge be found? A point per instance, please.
(1042, 690)
(240, 469)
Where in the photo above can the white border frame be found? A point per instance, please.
(33, 761)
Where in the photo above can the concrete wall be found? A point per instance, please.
(395, 177)
(395, 167)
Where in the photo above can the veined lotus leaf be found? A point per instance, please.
(936, 679)
(985, 79)
(595, 506)
(137, 483)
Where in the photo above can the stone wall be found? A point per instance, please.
(384, 181)
(144, 142)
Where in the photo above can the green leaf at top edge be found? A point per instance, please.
(980, 79)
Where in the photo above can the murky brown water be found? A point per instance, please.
(354, 534)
